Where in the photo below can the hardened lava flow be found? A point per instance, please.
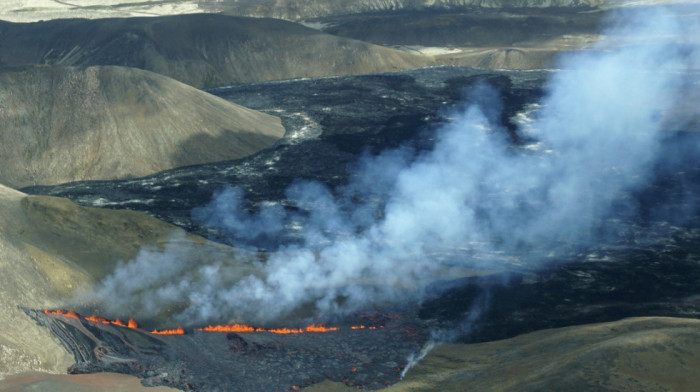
(239, 357)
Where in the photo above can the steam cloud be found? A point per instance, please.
(597, 133)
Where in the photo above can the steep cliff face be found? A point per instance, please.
(202, 50)
(62, 124)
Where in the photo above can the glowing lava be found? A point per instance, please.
(319, 328)
(63, 312)
(284, 331)
(240, 328)
(95, 319)
(132, 323)
(175, 331)
(230, 328)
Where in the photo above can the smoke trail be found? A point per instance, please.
(414, 359)
(598, 132)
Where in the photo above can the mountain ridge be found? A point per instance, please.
(202, 50)
(35, 10)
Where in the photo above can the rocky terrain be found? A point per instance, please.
(630, 354)
(649, 267)
(65, 124)
(330, 122)
(368, 357)
(608, 301)
(325, 138)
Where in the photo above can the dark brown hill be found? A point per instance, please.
(64, 124)
(202, 50)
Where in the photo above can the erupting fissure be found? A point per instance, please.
(248, 328)
(313, 328)
(175, 331)
(95, 319)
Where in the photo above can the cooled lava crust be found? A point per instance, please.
(258, 361)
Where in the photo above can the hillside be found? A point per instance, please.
(476, 29)
(64, 124)
(202, 50)
(486, 38)
(35, 10)
(651, 354)
(50, 247)
(349, 182)
(300, 9)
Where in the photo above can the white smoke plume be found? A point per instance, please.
(598, 131)
(414, 359)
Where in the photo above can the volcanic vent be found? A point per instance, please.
(235, 357)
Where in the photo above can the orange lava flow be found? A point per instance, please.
(176, 331)
(63, 312)
(247, 328)
(132, 323)
(95, 319)
(319, 328)
(312, 328)
(228, 328)
(119, 323)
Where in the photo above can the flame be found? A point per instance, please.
(119, 323)
(313, 328)
(176, 331)
(285, 331)
(132, 323)
(319, 328)
(247, 328)
(316, 328)
(95, 319)
(63, 312)
(227, 328)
